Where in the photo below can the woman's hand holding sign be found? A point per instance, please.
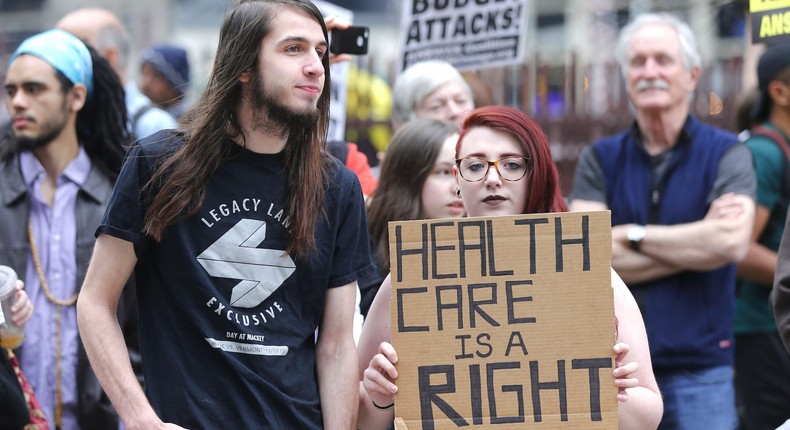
(379, 376)
(624, 373)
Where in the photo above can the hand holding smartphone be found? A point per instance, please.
(352, 40)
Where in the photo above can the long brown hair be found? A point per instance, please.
(543, 193)
(211, 125)
(410, 158)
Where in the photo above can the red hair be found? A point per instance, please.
(543, 193)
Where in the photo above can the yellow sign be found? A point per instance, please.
(770, 21)
(766, 5)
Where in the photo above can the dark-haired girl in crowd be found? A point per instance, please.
(416, 182)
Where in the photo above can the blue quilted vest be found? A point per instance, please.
(688, 316)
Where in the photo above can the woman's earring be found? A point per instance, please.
(458, 192)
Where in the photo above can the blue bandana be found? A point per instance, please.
(64, 52)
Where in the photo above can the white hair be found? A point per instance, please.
(417, 82)
(688, 41)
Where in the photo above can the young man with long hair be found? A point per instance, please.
(244, 238)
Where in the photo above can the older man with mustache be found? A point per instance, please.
(681, 195)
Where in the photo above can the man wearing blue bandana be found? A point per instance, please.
(57, 170)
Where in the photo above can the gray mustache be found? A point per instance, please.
(652, 84)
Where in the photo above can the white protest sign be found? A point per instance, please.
(469, 34)
(339, 75)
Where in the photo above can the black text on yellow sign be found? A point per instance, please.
(771, 25)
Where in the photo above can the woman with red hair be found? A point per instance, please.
(523, 180)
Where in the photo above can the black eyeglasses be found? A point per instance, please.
(511, 168)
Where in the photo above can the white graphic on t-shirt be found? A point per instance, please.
(248, 348)
(235, 256)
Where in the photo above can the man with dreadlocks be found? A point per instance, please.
(244, 237)
(68, 128)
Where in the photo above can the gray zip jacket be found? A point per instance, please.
(95, 410)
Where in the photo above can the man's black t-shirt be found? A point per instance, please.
(227, 318)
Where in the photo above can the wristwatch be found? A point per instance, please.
(635, 235)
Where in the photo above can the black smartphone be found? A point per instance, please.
(353, 40)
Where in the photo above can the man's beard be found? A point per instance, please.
(29, 143)
(50, 130)
(278, 115)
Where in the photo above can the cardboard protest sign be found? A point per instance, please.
(504, 322)
(770, 21)
(470, 34)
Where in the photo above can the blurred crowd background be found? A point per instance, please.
(569, 82)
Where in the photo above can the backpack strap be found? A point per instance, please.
(140, 112)
(780, 141)
(773, 135)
